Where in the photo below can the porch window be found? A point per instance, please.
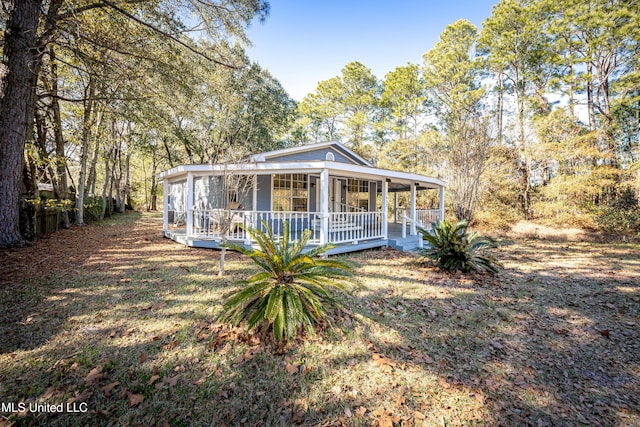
(358, 194)
(290, 192)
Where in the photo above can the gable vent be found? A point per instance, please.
(330, 157)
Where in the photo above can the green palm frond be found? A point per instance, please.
(291, 293)
(452, 248)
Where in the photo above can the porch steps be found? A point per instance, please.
(408, 243)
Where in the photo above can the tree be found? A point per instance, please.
(451, 77)
(26, 40)
(514, 41)
(21, 61)
(360, 93)
(324, 108)
(403, 95)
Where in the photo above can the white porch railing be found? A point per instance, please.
(343, 226)
(425, 217)
(354, 226)
(233, 225)
(177, 218)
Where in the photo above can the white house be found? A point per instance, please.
(323, 187)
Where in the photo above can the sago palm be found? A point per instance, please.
(292, 290)
(452, 248)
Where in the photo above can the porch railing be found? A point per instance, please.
(354, 226)
(232, 225)
(425, 217)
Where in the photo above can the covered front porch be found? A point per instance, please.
(352, 207)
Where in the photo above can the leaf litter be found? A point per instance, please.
(551, 340)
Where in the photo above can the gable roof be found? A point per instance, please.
(306, 149)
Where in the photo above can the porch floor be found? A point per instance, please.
(394, 240)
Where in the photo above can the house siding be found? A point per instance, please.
(314, 155)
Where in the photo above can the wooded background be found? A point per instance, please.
(536, 116)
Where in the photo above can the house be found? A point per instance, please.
(323, 187)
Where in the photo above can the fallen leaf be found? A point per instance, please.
(444, 383)
(159, 305)
(605, 333)
(80, 397)
(298, 417)
(360, 411)
(173, 344)
(153, 379)
(172, 381)
(135, 399)
(48, 393)
(107, 389)
(419, 415)
(143, 357)
(348, 412)
(292, 368)
(94, 374)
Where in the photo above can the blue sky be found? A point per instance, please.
(303, 42)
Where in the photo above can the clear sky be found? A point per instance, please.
(304, 42)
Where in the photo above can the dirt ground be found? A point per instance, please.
(552, 340)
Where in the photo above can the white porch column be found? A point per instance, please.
(441, 204)
(385, 220)
(324, 206)
(189, 205)
(254, 203)
(165, 205)
(413, 208)
(395, 207)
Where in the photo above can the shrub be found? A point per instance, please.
(622, 213)
(452, 248)
(292, 290)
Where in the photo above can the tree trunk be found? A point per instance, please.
(20, 65)
(126, 193)
(223, 254)
(500, 104)
(86, 129)
(105, 187)
(154, 185)
(590, 105)
(91, 179)
(62, 187)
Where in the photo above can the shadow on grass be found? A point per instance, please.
(535, 345)
(545, 347)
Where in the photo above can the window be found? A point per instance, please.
(290, 192)
(358, 194)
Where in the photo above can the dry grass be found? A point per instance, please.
(120, 319)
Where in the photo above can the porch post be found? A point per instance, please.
(254, 202)
(413, 208)
(189, 204)
(165, 203)
(385, 223)
(395, 207)
(441, 204)
(324, 206)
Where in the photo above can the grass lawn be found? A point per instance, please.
(117, 322)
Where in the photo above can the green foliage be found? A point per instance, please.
(93, 208)
(622, 213)
(292, 292)
(452, 248)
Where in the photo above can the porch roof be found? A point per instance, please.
(398, 181)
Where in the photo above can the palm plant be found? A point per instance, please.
(452, 248)
(292, 290)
